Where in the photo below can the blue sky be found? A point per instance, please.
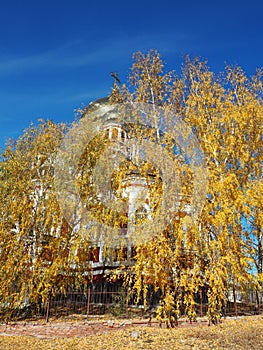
(56, 56)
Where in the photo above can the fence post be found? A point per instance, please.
(235, 300)
(201, 302)
(126, 303)
(88, 303)
(258, 301)
(48, 306)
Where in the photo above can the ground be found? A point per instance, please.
(237, 333)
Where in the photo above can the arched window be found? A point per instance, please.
(123, 135)
(140, 214)
(114, 134)
(107, 134)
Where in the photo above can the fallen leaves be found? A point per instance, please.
(241, 333)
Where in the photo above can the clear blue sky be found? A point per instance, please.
(56, 56)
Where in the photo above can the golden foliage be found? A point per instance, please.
(220, 251)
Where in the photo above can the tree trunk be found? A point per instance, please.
(235, 300)
(258, 301)
(48, 307)
(201, 302)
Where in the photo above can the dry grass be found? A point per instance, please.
(244, 333)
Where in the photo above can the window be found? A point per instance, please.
(114, 134)
(94, 254)
(140, 214)
(123, 135)
(90, 254)
(120, 254)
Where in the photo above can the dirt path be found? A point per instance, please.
(58, 329)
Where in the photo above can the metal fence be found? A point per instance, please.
(114, 299)
(117, 301)
(95, 300)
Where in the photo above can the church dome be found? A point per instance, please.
(102, 109)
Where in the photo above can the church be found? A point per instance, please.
(124, 185)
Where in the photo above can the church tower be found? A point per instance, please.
(134, 187)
